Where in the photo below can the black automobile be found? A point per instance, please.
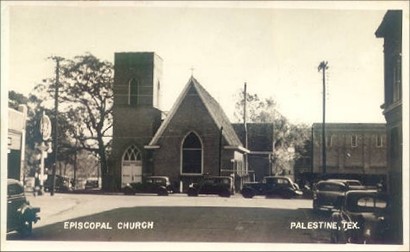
(61, 184)
(272, 186)
(92, 183)
(159, 185)
(218, 185)
(363, 218)
(328, 194)
(20, 214)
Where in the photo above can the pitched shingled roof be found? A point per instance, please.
(214, 109)
(260, 135)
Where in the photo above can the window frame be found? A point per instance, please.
(354, 141)
(201, 152)
(131, 96)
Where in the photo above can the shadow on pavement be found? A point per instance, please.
(187, 224)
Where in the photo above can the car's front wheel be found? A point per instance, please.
(162, 192)
(225, 193)
(340, 237)
(315, 207)
(248, 194)
(192, 192)
(286, 195)
(26, 228)
(128, 191)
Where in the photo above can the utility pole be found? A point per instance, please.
(57, 59)
(323, 66)
(75, 159)
(245, 96)
(220, 150)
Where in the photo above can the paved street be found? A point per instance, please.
(63, 206)
(64, 217)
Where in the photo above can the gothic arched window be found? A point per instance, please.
(192, 154)
(131, 155)
(133, 92)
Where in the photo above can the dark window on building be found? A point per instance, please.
(397, 79)
(133, 92)
(354, 141)
(192, 155)
(395, 146)
(329, 141)
(379, 141)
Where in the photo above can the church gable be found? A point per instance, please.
(196, 107)
(190, 116)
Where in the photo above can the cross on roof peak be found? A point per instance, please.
(192, 70)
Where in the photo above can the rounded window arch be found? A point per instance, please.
(191, 154)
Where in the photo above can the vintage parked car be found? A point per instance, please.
(272, 186)
(328, 194)
(159, 185)
(351, 183)
(20, 214)
(92, 183)
(218, 185)
(367, 211)
(62, 184)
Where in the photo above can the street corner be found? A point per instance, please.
(52, 205)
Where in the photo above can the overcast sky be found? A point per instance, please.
(275, 48)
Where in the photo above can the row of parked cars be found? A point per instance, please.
(160, 185)
(270, 186)
(367, 208)
(349, 201)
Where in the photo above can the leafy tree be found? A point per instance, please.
(86, 98)
(15, 99)
(289, 140)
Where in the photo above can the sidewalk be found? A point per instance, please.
(51, 207)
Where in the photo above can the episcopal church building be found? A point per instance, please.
(194, 140)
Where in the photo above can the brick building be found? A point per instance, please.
(356, 150)
(390, 30)
(260, 144)
(195, 139)
(136, 117)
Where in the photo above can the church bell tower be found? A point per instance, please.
(136, 114)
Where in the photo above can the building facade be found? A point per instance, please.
(136, 117)
(260, 145)
(390, 30)
(16, 140)
(194, 140)
(352, 150)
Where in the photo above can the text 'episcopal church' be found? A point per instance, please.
(194, 140)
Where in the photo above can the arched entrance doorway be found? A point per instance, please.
(131, 166)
